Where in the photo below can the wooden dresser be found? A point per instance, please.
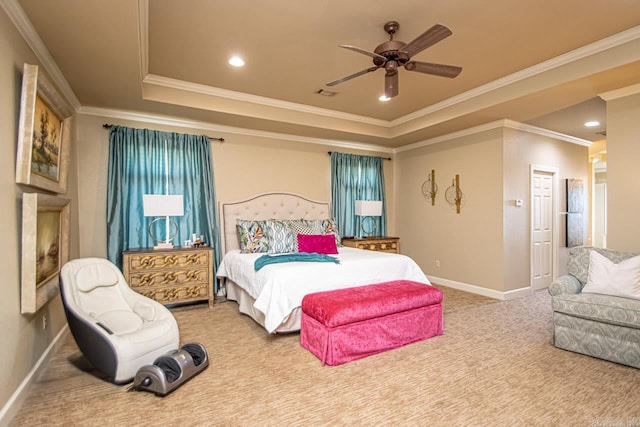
(380, 244)
(171, 276)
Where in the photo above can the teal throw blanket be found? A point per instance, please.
(299, 257)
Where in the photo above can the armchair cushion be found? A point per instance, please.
(602, 308)
(120, 321)
(609, 278)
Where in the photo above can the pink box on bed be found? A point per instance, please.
(347, 324)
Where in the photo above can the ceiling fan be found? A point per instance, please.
(393, 54)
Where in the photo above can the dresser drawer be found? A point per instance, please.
(167, 260)
(176, 294)
(171, 276)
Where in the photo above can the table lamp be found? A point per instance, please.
(368, 209)
(163, 205)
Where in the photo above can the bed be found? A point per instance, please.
(272, 296)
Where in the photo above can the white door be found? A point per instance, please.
(542, 228)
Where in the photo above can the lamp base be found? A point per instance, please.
(163, 245)
(371, 230)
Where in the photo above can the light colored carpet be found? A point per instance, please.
(494, 366)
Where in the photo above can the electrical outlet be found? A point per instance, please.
(437, 263)
(44, 321)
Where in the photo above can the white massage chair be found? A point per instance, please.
(117, 329)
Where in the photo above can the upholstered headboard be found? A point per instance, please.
(266, 206)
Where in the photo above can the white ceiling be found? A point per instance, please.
(522, 60)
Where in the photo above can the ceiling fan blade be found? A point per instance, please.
(352, 76)
(362, 51)
(441, 70)
(430, 37)
(391, 85)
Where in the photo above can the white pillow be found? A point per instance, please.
(606, 277)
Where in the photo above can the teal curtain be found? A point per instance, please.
(355, 177)
(139, 161)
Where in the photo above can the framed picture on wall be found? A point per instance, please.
(575, 209)
(43, 134)
(45, 248)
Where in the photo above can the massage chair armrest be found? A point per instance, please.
(566, 284)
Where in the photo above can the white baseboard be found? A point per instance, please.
(491, 293)
(16, 400)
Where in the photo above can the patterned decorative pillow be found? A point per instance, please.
(252, 236)
(329, 226)
(280, 237)
(304, 227)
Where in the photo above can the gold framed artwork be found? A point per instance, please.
(45, 248)
(43, 134)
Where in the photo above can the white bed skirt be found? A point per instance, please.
(245, 306)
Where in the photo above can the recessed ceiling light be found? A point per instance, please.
(236, 61)
(383, 98)
(592, 123)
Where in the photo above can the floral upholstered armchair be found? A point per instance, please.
(596, 306)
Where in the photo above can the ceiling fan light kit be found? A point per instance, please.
(393, 54)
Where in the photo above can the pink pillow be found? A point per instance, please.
(318, 243)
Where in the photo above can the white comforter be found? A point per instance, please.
(279, 288)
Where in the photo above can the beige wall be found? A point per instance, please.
(487, 244)
(243, 166)
(623, 173)
(24, 340)
(521, 150)
(468, 245)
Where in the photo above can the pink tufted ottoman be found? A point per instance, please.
(347, 324)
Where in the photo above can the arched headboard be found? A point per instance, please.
(277, 205)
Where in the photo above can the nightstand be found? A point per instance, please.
(171, 276)
(378, 243)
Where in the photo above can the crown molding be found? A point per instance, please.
(504, 123)
(546, 132)
(453, 135)
(143, 37)
(620, 93)
(31, 36)
(153, 79)
(194, 124)
(542, 67)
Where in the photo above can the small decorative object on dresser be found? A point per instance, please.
(172, 276)
(380, 244)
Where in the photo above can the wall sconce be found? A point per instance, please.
(430, 188)
(166, 206)
(368, 209)
(454, 195)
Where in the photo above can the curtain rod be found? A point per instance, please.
(109, 126)
(383, 158)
